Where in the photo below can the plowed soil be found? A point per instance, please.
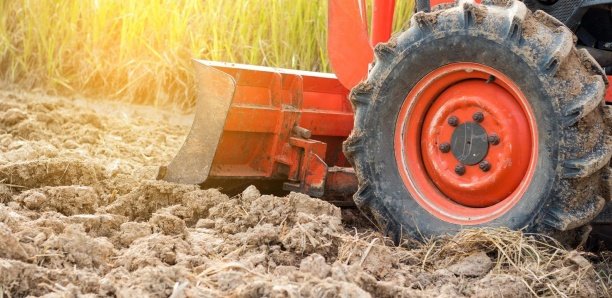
(82, 214)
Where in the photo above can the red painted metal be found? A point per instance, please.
(348, 46)
(421, 127)
(363, 13)
(312, 172)
(608, 95)
(350, 52)
(382, 20)
(433, 3)
(259, 140)
(340, 181)
(508, 165)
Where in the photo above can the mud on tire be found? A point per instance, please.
(564, 86)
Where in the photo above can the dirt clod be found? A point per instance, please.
(68, 200)
(167, 224)
(474, 265)
(315, 265)
(11, 249)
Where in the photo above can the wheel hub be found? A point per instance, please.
(469, 143)
(476, 143)
(464, 115)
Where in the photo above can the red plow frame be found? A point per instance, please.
(280, 124)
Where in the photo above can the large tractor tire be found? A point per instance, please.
(481, 115)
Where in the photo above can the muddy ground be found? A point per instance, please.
(81, 214)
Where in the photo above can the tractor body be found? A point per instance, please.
(287, 127)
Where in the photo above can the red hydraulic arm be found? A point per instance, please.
(382, 21)
(348, 46)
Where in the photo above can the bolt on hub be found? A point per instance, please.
(484, 165)
(453, 121)
(445, 147)
(460, 169)
(478, 116)
(493, 139)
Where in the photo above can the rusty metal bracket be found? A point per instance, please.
(312, 169)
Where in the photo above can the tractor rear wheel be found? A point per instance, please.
(481, 115)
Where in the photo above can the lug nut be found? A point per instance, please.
(453, 121)
(444, 147)
(484, 165)
(493, 139)
(478, 116)
(460, 169)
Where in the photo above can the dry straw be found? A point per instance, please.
(537, 261)
(540, 262)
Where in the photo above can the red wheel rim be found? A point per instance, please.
(481, 192)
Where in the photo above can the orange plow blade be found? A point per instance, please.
(193, 162)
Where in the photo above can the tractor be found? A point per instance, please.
(489, 113)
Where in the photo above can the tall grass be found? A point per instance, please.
(140, 51)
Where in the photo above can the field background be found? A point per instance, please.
(82, 213)
(139, 51)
